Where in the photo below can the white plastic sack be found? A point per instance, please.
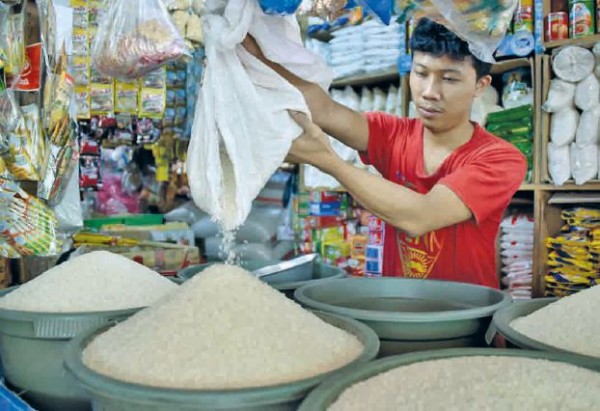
(366, 100)
(573, 63)
(584, 162)
(563, 126)
(560, 96)
(379, 99)
(392, 100)
(242, 130)
(587, 131)
(587, 93)
(559, 163)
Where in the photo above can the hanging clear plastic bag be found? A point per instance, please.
(481, 23)
(136, 37)
(10, 112)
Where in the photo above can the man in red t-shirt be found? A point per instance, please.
(446, 181)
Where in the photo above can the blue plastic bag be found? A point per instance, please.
(279, 7)
(382, 9)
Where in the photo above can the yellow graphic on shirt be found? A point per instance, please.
(418, 254)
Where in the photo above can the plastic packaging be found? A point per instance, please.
(559, 163)
(584, 162)
(482, 23)
(10, 113)
(589, 127)
(573, 63)
(135, 38)
(26, 224)
(382, 9)
(587, 93)
(560, 95)
(26, 146)
(242, 130)
(279, 7)
(563, 126)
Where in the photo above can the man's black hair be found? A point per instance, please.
(435, 39)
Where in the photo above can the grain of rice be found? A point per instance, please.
(97, 281)
(476, 383)
(571, 323)
(223, 329)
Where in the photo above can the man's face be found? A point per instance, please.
(443, 90)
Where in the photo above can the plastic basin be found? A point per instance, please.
(503, 318)
(114, 395)
(31, 350)
(409, 314)
(286, 281)
(328, 392)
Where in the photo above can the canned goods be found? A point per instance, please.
(557, 26)
(523, 19)
(582, 18)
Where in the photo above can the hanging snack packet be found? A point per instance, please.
(10, 112)
(12, 41)
(135, 38)
(481, 23)
(59, 89)
(26, 146)
(27, 225)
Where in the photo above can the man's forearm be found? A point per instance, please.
(395, 204)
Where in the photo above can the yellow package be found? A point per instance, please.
(152, 103)
(102, 99)
(126, 97)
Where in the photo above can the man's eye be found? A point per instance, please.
(420, 74)
(450, 80)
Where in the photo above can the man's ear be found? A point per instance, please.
(482, 83)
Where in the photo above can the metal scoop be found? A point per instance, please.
(285, 266)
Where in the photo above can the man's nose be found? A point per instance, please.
(432, 89)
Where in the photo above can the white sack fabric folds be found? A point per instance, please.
(242, 130)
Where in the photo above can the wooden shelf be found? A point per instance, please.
(528, 187)
(366, 79)
(591, 186)
(568, 42)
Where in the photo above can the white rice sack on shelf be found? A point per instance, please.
(512, 238)
(587, 93)
(479, 111)
(563, 126)
(518, 220)
(559, 163)
(242, 129)
(560, 96)
(490, 96)
(392, 100)
(516, 246)
(584, 162)
(379, 99)
(589, 124)
(596, 51)
(573, 63)
(351, 98)
(366, 100)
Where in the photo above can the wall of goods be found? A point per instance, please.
(121, 146)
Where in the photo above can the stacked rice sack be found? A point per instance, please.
(574, 101)
(517, 254)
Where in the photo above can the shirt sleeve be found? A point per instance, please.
(384, 130)
(488, 183)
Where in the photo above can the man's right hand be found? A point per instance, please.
(253, 48)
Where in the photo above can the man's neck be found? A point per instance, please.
(450, 139)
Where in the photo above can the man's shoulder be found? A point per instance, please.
(492, 144)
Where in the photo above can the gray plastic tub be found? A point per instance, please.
(286, 281)
(408, 314)
(328, 392)
(31, 350)
(503, 318)
(109, 394)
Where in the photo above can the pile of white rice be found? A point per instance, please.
(223, 329)
(571, 323)
(98, 281)
(476, 383)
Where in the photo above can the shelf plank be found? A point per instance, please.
(527, 187)
(567, 42)
(591, 186)
(366, 79)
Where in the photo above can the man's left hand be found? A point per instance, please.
(313, 146)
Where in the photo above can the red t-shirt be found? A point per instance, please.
(485, 173)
